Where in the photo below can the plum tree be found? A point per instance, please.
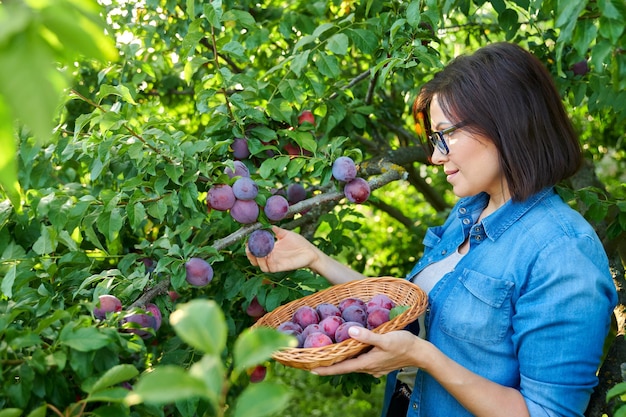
(276, 207)
(198, 272)
(344, 169)
(261, 243)
(357, 190)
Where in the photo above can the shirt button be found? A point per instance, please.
(462, 210)
(414, 406)
(443, 252)
(477, 229)
(479, 238)
(466, 221)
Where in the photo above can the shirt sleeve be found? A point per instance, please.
(561, 319)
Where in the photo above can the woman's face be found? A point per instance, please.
(472, 165)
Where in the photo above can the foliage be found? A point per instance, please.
(115, 204)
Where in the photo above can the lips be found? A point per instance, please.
(450, 173)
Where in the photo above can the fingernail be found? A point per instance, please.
(353, 331)
(315, 373)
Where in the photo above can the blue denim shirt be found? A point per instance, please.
(529, 305)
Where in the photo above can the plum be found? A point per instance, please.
(245, 188)
(255, 309)
(306, 117)
(347, 302)
(380, 300)
(342, 334)
(327, 309)
(220, 197)
(107, 304)
(245, 211)
(355, 313)
(156, 312)
(241, 170)
(295, 193)
(240, 148)
(317, 339)
(276, 207)
(344, 169)
(198, 272)
(377, 316)
(311, 328)
(305, 315)
(261, 243)
(141, 323)
(357, 191)
(329, 325)
(258, 373)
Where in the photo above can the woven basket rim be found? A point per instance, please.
(308, 358)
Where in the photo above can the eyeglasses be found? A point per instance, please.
(438, 141)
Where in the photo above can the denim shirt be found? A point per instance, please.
(528, 307)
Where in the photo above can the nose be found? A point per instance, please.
(438, 158)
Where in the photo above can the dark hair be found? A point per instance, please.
(506, 94)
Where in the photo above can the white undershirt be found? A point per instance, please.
(427, 279)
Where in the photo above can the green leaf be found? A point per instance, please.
(364, 39)
(11, 412)
(254, 346)
(210, 370)
(8, 165)
(338, 44)
(117, 90)
(213, 13)
(300, 62)
(328, 65)
(262, 399)
(201, 324)
(37, 412)
(413, 16)
(114, 376)
(166, 384)
(280, 110)
(616, 391)
(7, 281)
(83, 339)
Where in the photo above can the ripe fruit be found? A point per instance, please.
(380, 300)
(255, 309)
(241, 170)
(580, 68)
(245, 211)
(156, 312)
(327, 310)
(376, 317)
(344, 169)
(311, 328)
(260, 243)
(107, 304)
(305, 315)
(276, 207)
(245, 188)
(198, 272)
(141, 322)
(220, 197)
(357, 190)
(295, 193)
(355, 313)
(306, 117)
(329, 325)
(342, 331)
(347, 302)
(240, 148)
(258, 373)
(317, 339)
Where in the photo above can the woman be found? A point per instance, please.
(520, 293)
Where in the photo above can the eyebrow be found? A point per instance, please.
(438, 125)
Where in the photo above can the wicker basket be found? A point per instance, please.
(401, 291)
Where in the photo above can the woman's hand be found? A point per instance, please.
(391, 351)
(291, 251)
